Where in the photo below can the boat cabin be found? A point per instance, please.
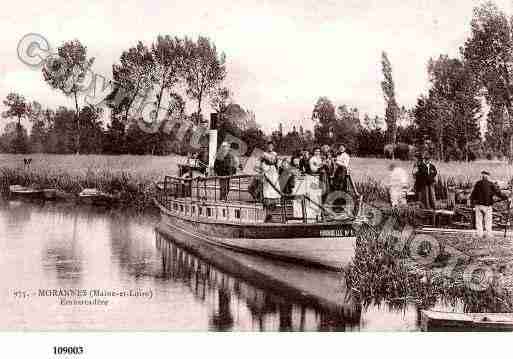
(237, 199)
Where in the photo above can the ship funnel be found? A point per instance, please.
(212, 140)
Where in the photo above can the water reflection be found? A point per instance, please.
(278, 296)
(196, 287)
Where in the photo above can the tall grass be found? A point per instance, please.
(133, 176)
(130, 177)
(380, 273)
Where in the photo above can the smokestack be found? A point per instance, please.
(212, 140)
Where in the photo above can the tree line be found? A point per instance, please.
(464, 90)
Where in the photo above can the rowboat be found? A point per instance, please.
(227, 212)
(27, 192)
(448, 321)
(94, 196)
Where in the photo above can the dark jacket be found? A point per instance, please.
(483, 193)
(288, 180)
(426, 174)
(304, 165)
(225, 166)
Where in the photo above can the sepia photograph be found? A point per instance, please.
(256, 166)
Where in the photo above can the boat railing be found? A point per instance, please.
(238, 188)
(247, 189)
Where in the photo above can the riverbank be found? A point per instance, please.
(131, 178)
(429, 273)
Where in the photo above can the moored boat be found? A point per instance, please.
(94, 196)
(28, 192)
(227, 211)
(448, 321)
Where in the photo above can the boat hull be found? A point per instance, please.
(327, 245)
(311, 286)
(446, 321)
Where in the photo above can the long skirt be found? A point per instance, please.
(339, 180)
(427, 197)
(314, 192)
(300, 188)
(272, 184)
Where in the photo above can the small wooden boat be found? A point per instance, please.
(27, 192)
(94, 196)
(448, 321)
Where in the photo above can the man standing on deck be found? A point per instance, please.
(482, 199)
(341, 170)
(224, 166)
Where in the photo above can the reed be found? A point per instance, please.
(133, 176)
(130, 177)
(380, 273)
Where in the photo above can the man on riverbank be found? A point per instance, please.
(425, 176)
(482, 199)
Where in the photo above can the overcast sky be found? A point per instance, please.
(281, 54)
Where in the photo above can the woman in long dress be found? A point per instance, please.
(314, 187)
(269, 168)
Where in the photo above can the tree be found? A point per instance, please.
(115, 141)
(41, 124)
(133, 79)
(388, 87)
(347, 127)
(17, 108)
(489, 54)
(91, 125)
(168, 55)
(14, 138)
(449, 115)
(62, 132)
(220, 99)
(324, 116)
(66, 72)
(204, 69)
(497, 129)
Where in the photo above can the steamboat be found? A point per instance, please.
(297, 228)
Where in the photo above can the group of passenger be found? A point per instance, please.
(330, 165)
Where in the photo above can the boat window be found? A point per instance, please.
(175, 206)
(224, 212)
(237, 213)
(209, 212)
(186, 209)
(181, 208)
(200, 210)
(193, 209)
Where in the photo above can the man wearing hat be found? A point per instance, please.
(425, 176)
(482, 199)
(224, 166)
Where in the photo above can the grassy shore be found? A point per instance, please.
(133, 176)
(383, 272)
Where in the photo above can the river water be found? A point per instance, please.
(125, 275)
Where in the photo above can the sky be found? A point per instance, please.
(281, 54)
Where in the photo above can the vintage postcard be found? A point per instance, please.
(256, 166)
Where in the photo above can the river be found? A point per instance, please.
(153, 283)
